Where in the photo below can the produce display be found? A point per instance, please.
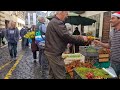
(91, 49)
(89, 68)
(68, 58)
(30, 35)
(103, 55)
(75, 55)
(92, 73)
(90, 38)
(70, 67)
(104, 51)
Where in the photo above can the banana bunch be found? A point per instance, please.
(90, 38)
(30, 35)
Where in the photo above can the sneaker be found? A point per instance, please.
(15, 59)
(35, 61)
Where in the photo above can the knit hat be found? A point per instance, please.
(117, 14)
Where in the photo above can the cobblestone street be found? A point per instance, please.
(22, 68)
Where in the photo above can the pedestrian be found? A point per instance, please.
(23, 31)
(27, 44)
(34, 46)
(76, 32)
(114, 43)
(41, 27)
(57, 38)
(2, 35)
(12, 36)
(0, 38)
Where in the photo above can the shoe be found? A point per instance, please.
(35, 61)
(15, 59)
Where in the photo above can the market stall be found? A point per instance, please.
(90, 63)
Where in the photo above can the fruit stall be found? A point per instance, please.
(90, 63)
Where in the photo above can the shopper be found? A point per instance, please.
(57, 38)
(12, 36)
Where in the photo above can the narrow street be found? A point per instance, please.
(22, 68)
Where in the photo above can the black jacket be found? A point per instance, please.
(2, 34)
(57, 37)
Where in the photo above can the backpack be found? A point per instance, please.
(39, 34)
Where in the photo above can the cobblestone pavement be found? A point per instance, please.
(22, 68)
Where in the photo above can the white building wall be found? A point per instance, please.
(34, 18)
(28, 18)
(93, 27)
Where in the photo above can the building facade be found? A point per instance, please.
(16, 16)
(101, 27)
(30, 18)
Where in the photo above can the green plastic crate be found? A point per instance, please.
(102, 64)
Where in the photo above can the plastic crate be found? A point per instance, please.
(83, 51)
(77, 76)
(102, 64)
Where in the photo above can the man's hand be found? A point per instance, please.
(97, 43)
(85, 38)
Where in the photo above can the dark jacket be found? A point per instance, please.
(23, 31)
(57, 37)
(12, 35)
(76, 32)
(2, 33)
(34, 46)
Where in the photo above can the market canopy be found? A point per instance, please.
(76, 19)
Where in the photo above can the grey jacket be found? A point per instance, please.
(14, 37)
(57, 37)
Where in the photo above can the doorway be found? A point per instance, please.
(6, 23)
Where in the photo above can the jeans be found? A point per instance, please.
(40, 54)
(0, 41)
(24, 42)
(12, 49)
(116, 67)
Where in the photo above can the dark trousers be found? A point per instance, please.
(0, 41)
(24, 42)
(56, 66)
(35, 55)
(116, 67)
(12, 49)
(43, 64)
(27, 44)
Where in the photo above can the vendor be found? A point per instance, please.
(57, 38)
(114, 43)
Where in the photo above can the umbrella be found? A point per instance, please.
(76, 19)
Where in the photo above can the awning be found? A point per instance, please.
(79, 20)
(76, 19)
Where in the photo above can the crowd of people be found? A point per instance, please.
(55, 42)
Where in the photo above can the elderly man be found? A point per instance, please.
(114, 43)
(12, 36)
(41, 29)
(57, 38)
